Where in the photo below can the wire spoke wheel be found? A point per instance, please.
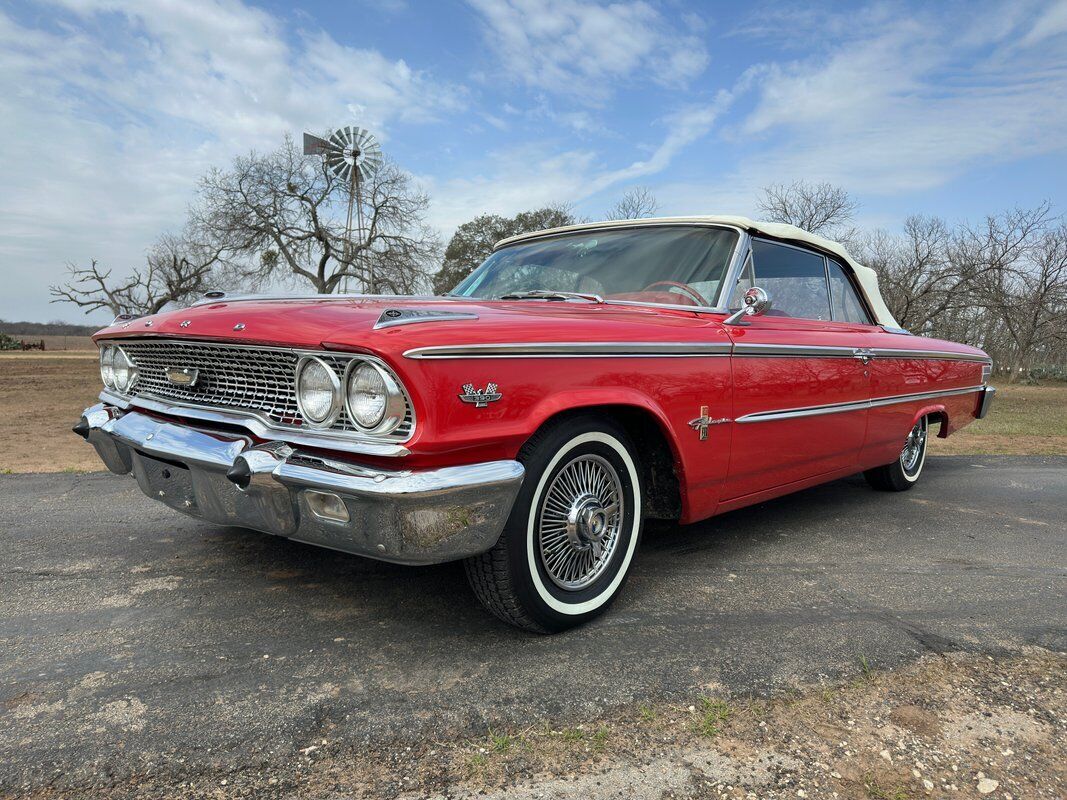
(580, 520)
(911, 455)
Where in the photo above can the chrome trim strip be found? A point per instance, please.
(947, 355)
(859, 405)
(792, 351)
(669, 350)
(574, 350)
(344, 442)
(903, 398)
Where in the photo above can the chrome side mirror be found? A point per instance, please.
(756, 301)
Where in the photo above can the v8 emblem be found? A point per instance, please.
(480, 398)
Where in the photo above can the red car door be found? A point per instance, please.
(800, 379)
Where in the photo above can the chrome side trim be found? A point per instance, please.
(344, 442)
(859, 405)
(792, 351)
(671, 349)
(574, 350)
(947, 355)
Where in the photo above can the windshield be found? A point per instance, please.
(669, 265)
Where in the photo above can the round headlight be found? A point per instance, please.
(318, 391)
(122, 369)
(107, 365)
(374, 399)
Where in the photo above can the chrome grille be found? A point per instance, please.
(258, 380)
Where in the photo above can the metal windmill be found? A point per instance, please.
(353, 155)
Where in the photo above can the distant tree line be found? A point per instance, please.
(57, 328)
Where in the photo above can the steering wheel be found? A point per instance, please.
(685, 287)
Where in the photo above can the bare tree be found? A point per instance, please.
(637, 203)
(176, 269)
(282, 215)
(816, 207)
(1021, 280)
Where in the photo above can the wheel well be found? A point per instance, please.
(663, 497)
(941, 418)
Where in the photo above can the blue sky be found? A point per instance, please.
(111, 109)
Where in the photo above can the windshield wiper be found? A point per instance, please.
(548, 294)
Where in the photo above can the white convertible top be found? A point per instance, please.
(866, 277)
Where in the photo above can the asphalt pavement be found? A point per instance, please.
(134, 640)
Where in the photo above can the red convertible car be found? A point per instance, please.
(580, 381)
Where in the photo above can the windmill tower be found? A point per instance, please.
(353, 155)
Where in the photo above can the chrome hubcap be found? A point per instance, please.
(581, 516)
(913, 447)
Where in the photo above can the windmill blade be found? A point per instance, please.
(315, 145)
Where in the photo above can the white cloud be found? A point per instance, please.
(531, 176)
(111, 109)
(582, 48)
(902, 103)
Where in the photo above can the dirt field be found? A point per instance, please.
(42, 394)
(41, 397)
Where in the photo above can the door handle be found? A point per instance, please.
(863, 354)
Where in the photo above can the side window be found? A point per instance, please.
(794, 278)
(847, 305)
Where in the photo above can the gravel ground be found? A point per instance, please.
(143, 654)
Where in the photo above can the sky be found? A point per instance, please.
(110, 110)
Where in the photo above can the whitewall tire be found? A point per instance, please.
(903, 473)
(570, 541)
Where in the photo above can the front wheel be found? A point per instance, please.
(567, 547)
(903, 473)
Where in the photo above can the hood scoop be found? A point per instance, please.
(392, 317)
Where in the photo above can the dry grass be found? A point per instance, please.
(1024, 420)
(57, 342)
(42, 395)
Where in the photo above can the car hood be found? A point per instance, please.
(392, 325)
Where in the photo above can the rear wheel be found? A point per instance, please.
(903, 473)
(567, 547)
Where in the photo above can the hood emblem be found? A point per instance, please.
(185, 323)
(182, 376)
(480, 398)
(240, 326)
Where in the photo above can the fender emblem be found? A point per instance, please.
(182, 376)
(701, 423)
(480, 397)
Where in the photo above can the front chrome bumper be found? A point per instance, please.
(407, 517)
